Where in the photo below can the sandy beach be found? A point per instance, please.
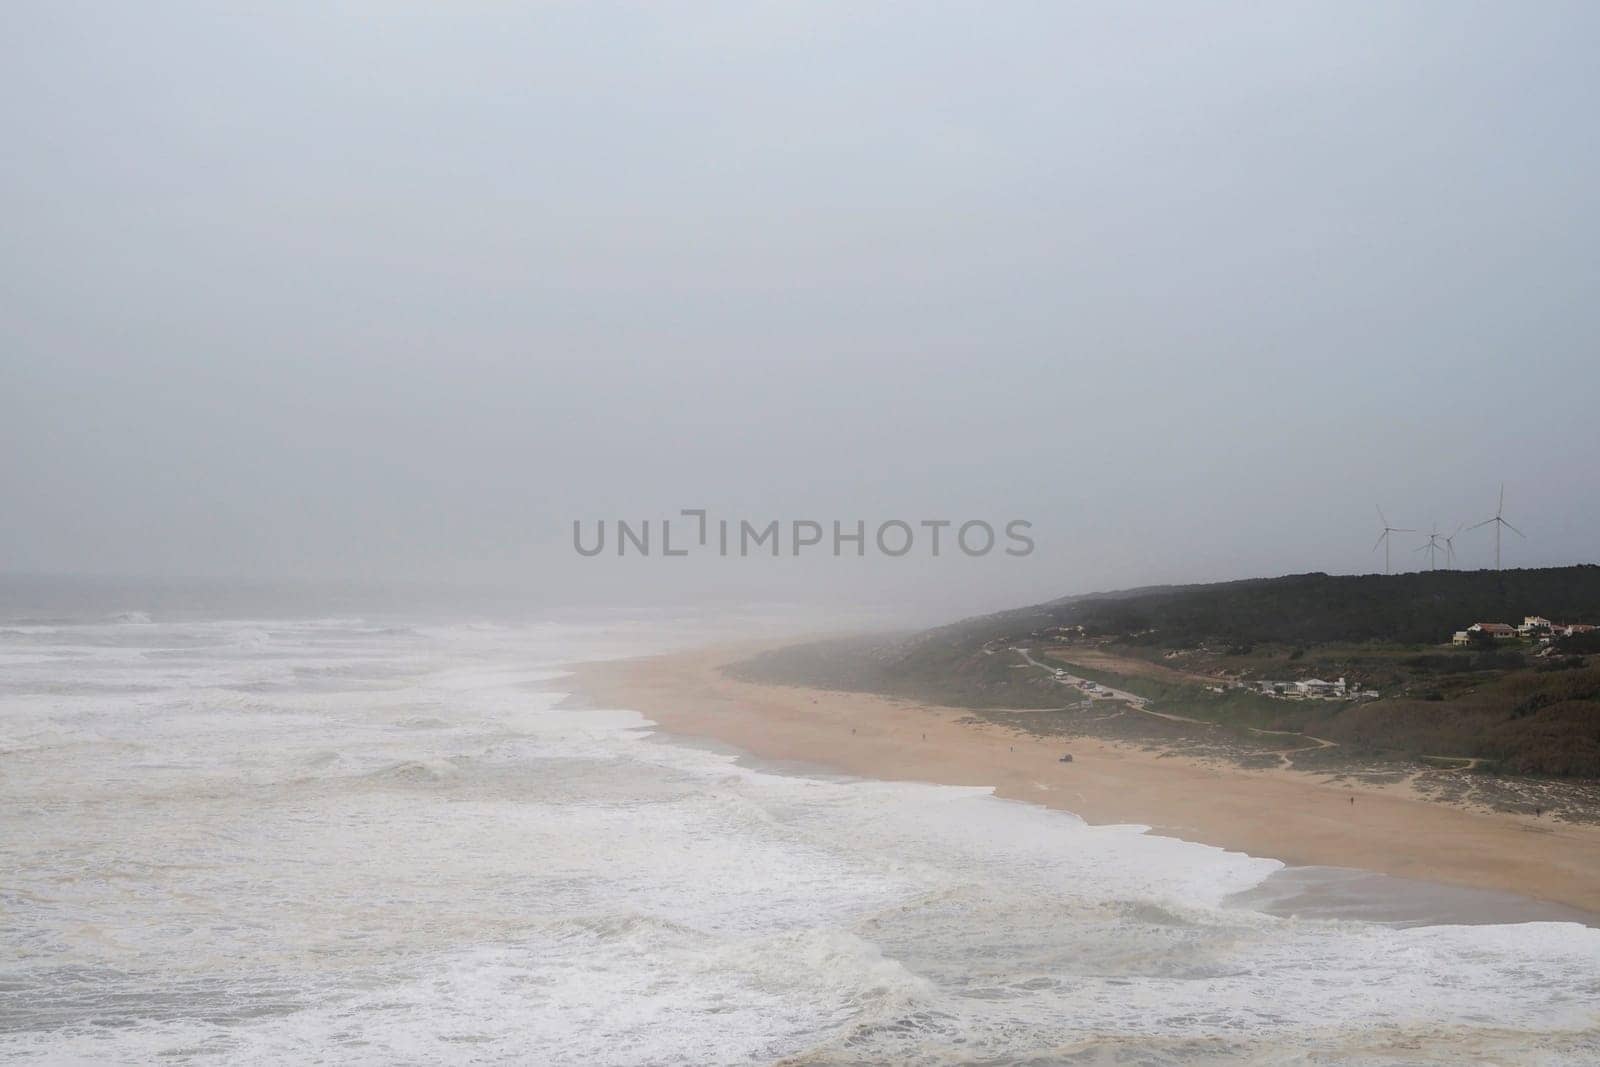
(1294, 816)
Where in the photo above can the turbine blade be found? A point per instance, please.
(1401, 529)
(1513, 529)
(1502, 506)
(1382, 517)
(1485, 522)
(1379, 543)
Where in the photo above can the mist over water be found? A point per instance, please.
(358, 312)
(389, 841)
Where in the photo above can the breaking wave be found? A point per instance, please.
(281, 842)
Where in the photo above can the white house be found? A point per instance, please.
(1498, 630)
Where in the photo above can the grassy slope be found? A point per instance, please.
(1524, 721)
(1382, 630)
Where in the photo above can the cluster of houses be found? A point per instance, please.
(1312, 689)
(1533, 627)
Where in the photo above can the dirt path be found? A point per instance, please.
(1139, 668)
(1139, 703)
(1461, 763)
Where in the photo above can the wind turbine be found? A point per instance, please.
(1450, 547)
(1499, 522)
(1435, 542)
(1383, 538)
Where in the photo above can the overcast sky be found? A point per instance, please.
(329, 292)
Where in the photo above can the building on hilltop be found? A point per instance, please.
(1497, 630)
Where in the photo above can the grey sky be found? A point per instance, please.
(329, 292)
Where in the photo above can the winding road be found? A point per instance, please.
(1139, 703)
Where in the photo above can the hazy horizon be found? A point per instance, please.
(395, 298)
(433, 436)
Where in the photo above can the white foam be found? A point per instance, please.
(271, 842)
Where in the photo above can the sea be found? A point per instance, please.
(398, 839)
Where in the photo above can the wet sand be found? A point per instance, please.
(1298, 817)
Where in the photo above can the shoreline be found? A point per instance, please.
(1296, 817)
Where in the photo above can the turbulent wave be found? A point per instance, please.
(272, 841)
(135, 618)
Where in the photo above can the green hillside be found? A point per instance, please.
(1419, 608)
(1517, 707)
